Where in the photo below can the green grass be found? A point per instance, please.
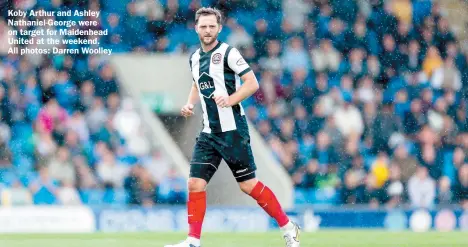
(272, 239)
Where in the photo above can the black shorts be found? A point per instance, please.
(232, 146)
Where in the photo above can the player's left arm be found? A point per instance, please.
(250, 83)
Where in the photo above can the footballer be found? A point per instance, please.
(217, 70)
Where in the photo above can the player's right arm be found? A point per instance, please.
(193, 98)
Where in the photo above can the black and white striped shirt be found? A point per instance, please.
(219, 71)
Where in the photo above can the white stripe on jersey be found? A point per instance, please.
(226, 115)
(196, 75)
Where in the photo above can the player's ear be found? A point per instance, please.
(220, 28)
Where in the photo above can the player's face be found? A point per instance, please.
(208, 29)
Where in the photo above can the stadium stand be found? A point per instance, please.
(363, 102)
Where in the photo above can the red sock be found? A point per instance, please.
(196, 208)
(267, 200)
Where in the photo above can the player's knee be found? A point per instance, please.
(196, 184)
(248, 186)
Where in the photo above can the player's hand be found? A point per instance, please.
(222, 100)
(187, 110)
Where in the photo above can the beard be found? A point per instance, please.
(208, 40)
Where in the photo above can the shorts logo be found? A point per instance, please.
(243, 170)
(216, 58)
(240, 62)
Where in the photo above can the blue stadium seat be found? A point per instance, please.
(421, 9)
(246, 19)
(99, 197)
(323, 197)
(448, 169)
(92, 197)
(7, 176)
(300, 196)
(28, 177)
(115, 196)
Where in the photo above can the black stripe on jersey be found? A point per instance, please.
(229, 77)
(230, 82)
(190, 60)
(211, 107)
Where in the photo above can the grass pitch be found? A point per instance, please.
(272, 239)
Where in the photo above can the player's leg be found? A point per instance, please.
(267, 200)
(204, 164)
(196, 205)
(242, 164)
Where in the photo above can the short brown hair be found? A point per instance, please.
(208, 11)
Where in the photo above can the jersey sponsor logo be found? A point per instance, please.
(216, 58)
(240, 62)
(206, 85)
